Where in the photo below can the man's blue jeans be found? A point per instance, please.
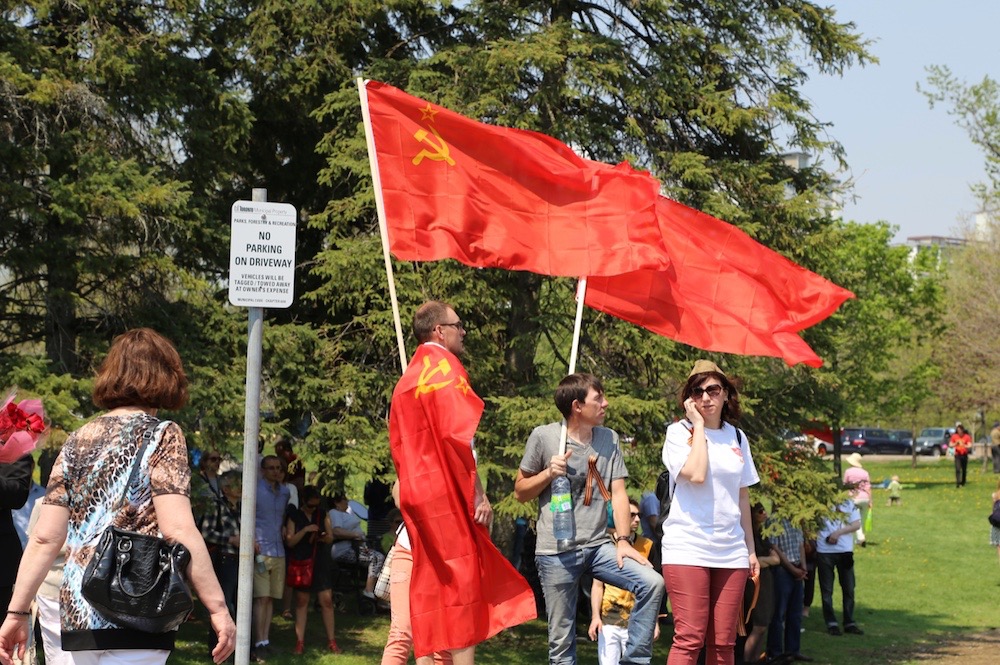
(560, 574)
(784, 635)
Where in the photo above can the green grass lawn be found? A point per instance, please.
(927, 575)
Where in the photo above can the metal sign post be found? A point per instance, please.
(261, 268)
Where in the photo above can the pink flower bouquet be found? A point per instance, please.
(22, 424)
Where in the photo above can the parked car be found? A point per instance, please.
(903, 435)
(811, 440)
(821, 437)
(933, 441)
(820, 446)
(808, 442)
(869, 440)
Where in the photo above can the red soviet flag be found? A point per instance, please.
(722, 292)
(462, 589)
(493, 196)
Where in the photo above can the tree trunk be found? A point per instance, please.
(522, 330)
(60, 302)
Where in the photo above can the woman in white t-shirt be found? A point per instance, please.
(708, 548)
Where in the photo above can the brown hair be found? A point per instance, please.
(730, 408)
(428, 315)
(142, 369)
(575, 388)
(205, 454)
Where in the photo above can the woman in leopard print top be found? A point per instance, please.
(141, 375)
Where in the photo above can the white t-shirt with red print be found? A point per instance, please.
(704, 528)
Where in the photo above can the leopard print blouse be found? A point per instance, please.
(88, 478)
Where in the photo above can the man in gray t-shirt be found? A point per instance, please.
(591, 520)
(594, 465)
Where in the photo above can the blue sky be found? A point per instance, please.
(912, 165)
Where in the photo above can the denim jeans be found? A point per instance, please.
(843, 563)
(560, 574)
(784, 634)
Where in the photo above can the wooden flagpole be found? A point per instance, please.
(382, 227)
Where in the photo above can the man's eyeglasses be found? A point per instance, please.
(457, 324)
(713, 390)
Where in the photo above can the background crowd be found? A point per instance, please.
(310, 548)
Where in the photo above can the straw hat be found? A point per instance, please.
(854, 459)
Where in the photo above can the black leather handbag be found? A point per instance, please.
(137, 581)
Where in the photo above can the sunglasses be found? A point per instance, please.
(634, 515)
(713, 390)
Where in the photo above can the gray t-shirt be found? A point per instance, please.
(592, 520)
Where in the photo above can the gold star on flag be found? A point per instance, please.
(427, 113)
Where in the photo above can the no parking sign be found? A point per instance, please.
(262, 254)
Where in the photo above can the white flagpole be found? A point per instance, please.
(382, 228)
(581, 291)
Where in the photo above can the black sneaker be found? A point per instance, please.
(834, 630)
(853, 630)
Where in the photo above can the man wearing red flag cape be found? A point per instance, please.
(462, 589)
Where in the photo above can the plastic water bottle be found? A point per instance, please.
(260, 565)
(563, 519)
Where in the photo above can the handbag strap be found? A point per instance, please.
(316, 540)
(741, 626)
(147, 436)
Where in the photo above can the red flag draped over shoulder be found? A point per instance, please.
(493, 196)
(462, 590)
(723, 291)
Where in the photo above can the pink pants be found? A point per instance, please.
(706, 604)
(400, 642)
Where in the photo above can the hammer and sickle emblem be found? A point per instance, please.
(424, 385)
(440, 151)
